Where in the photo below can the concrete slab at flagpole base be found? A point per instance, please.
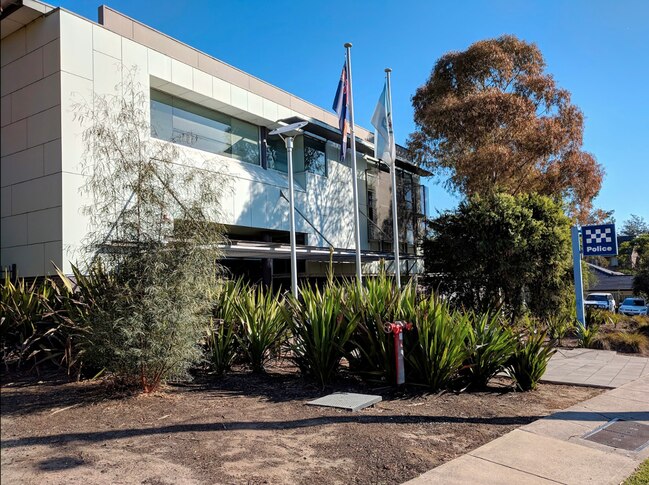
(346, 400)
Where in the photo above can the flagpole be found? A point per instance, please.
(393, 171)
(357, 233)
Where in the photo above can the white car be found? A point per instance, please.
(600, 301)
(634, 306)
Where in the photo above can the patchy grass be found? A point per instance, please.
(641, 475)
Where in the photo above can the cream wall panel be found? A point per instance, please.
(5, 110)
(270, 110)
(12, 47)
(44, 225)
(75, 224)
(108, 74)
(38, 96)
(159, 65)
(13, 138)
(52, 57)
(76, 45)
(106, 42)
(13, 230)
(221, 90)
(255, 105)
(29, 260)
(21, 166)
(202, 82)
(52, 255)
(239, 97)
(5, 201)
(44, 126)
(134, 54)
(21, 72)
(181, 74)
(242, 209)
(73, 89)
(36, 194)
(52, 157)
(43, 30)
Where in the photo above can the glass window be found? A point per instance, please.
(315, 158)
(276, 154)
(186, 123)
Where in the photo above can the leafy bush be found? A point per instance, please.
(529, 361)
(490, 345)
(222, 331)
(437, 351)
(263, 321)
(321, 326)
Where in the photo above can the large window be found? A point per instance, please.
(276, 154)
(315, 158)
(180, 121)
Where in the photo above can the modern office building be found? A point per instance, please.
(51, 58)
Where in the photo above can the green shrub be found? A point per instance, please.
(490, 345)
(587, 336)
(222, 330)
(437, 350)
(321, 326)
(263, 320)
(529, 361)
(633, 343)
(558, 326)
(378, 302)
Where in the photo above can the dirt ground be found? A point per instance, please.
(248, 429)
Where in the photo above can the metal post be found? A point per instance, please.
(579, 285)
(393, 170)
(350, 102)
(291, 202)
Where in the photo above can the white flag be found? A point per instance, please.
(384, 148)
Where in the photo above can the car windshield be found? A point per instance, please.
(633, 302)
(597, 298)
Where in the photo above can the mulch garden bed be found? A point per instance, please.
(249, 429)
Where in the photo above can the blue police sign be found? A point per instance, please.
(599, 240)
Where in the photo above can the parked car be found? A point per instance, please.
(601, 301)
(634, 306)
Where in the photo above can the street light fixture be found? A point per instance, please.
(287, 133)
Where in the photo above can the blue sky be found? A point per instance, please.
(596, 49)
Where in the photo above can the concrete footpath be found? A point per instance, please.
(555, 449)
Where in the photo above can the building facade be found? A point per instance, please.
(52, 58)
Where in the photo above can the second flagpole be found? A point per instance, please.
(393, 170)
(350, 102)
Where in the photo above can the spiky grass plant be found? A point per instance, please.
(222, 331)
(377, 303)
(321, 326)
(263, 318)
(530, 360)
(490, 345)
(439, 349)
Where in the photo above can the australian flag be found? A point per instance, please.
(340, 107)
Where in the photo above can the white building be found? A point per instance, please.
(50, 57)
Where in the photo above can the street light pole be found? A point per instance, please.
(291, 198)
(289, 133)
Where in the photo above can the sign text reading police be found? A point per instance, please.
(599, 240)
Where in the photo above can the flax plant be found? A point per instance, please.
(321, 325)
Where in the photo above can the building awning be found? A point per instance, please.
(265, 250)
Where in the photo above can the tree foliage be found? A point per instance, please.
(634, 226)
(501, 251)
(491, 119)
(153, 245)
